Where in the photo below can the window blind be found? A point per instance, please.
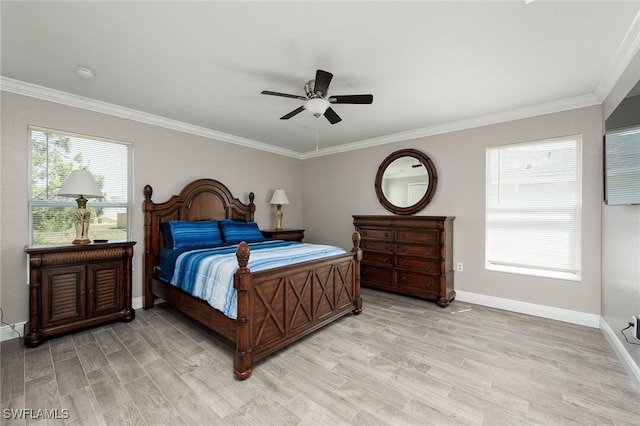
(533, 208)
(53, 156)
(622, 167)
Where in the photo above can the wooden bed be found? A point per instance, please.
(275, 307)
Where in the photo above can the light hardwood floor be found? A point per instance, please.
(402, 361)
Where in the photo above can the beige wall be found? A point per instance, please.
(163, 158)
(341, 185)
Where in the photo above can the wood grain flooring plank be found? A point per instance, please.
(108, 341)
(10, 412)
(108, 389)
(62, 347)
(125, 365)
(152, 405)
(42, 393)
(218, 398)
(70, 375)
(91, 356)
(12, 382)
(124, 415)
(165, 379)
(194, 411)
(37, 362)
(82, 408)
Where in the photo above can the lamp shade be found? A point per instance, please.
(80, 183)
(279, 197)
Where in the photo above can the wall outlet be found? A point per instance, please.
(459, 267)
(636, 326)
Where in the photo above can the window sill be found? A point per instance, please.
(566, 276)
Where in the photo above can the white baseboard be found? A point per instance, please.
(632, 369)
(573, 317)
(137, 302)
(7, 333)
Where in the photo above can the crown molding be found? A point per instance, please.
(629, 47)
(51, 95)
(501, 117)
(57, 96)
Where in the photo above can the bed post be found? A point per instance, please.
(243, 358)
(148, 256)
(357, 254)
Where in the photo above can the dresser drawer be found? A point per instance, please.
(375, 257)
(376, 233)
(428, 251)
(376, 245)
(424, 283)
(419, 265)
(376, 274)
(418, 236)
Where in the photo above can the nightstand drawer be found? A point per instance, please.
(284, 234)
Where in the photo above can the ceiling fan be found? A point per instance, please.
(317, 99)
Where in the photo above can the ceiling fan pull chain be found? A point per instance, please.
(317, 119)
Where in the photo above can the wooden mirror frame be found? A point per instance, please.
(431, 188)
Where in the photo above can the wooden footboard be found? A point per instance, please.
(277, 307)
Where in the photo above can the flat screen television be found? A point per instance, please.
(622, 167)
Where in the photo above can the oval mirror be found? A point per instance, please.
(406, 181)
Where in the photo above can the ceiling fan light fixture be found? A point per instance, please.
(316, 106)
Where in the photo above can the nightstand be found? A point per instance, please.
(284, 234)
(72, 287)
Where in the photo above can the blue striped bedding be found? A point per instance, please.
(207, 273)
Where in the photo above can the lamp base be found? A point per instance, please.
(81, 219)
(81, 241)
(279, 218)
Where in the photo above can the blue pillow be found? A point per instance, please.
(236, 231)
(193, 234)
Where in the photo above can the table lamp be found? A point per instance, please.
(279, 198)
(80, 184)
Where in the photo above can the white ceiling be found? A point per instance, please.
(431, 66)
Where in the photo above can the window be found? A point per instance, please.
(622, 167)
(533, 210)
(53, 156)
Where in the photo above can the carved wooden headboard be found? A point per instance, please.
(202, 199)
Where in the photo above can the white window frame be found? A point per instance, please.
(549, 215)
(94, 202)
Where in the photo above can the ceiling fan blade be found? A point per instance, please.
(292, 113)
(331, 115)
(284, 95)
(323, 78)
(351, 99)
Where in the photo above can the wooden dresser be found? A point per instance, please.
(410, 255)
(77, 286)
